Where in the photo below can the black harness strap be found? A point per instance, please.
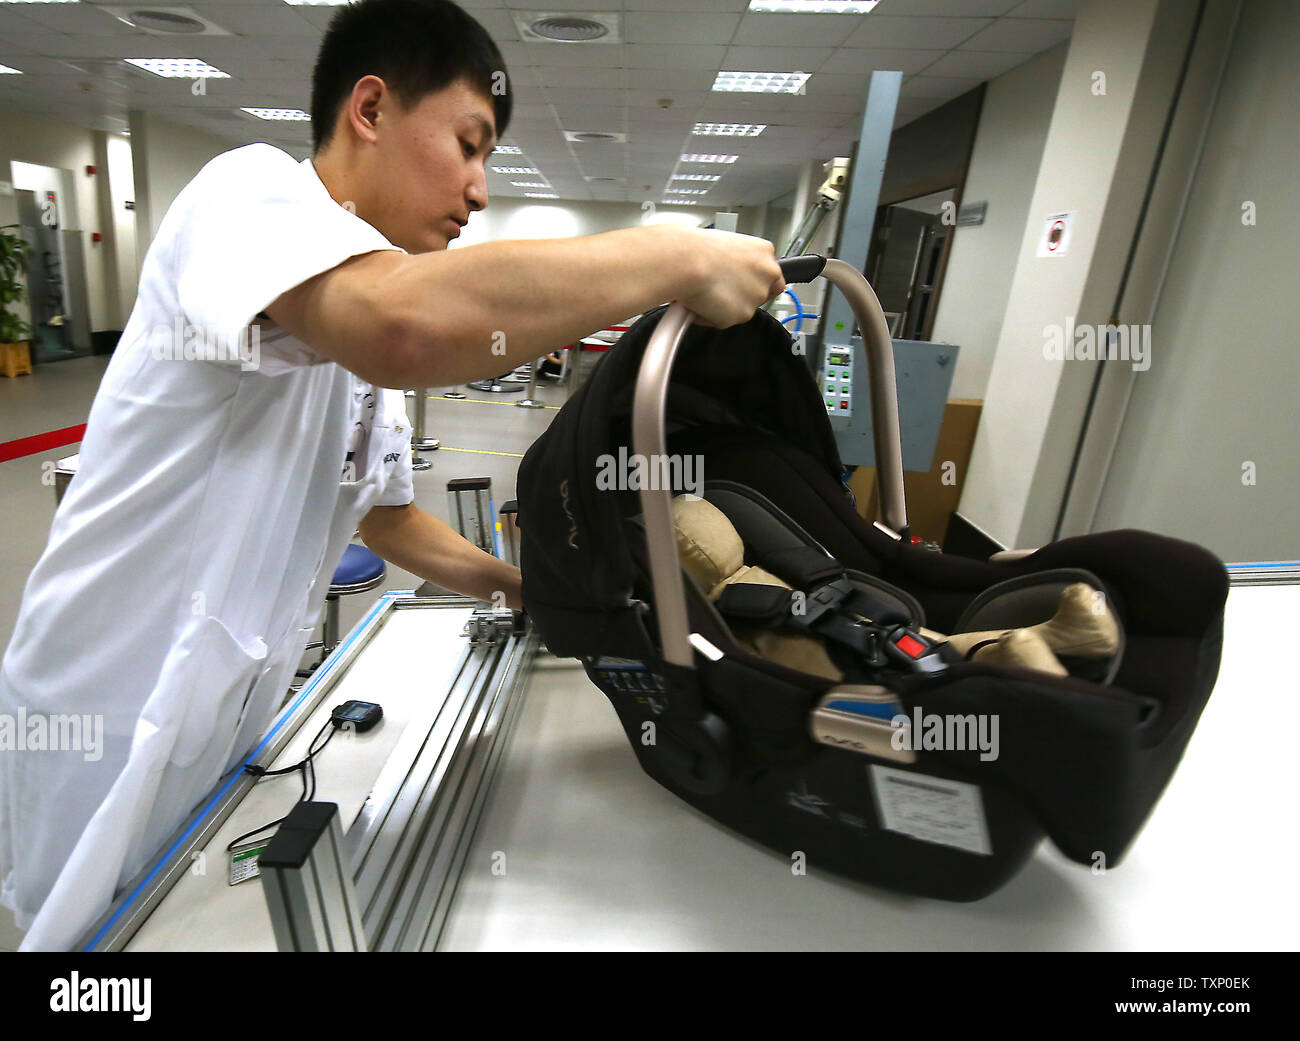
(876, 631)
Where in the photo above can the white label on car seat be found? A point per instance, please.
(932, 809)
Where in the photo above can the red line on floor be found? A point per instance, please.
(40, 442)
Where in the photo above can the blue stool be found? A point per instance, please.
(358, 571)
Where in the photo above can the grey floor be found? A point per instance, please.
(482, 435)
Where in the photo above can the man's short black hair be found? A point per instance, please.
(415, 46)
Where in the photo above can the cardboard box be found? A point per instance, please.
(932, 497)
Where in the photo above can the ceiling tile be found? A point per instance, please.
(13, 21)
(562, 76)
(775, 59)
(670, 79)
(647, 27)
(858, 59)
(976, 8)
(985, 65)
(266, 19)
(498, 23)
(795, 30)
(671, 6)
(607, 6)
(1022, 35)
(653, 56)
(595, 56)
(924, 33)
(1046, 9)
(590, 117)
(74, 19)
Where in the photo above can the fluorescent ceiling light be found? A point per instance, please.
(39, 1)
(508, 150)
(528, 184)
(813, 6)
(687, 191)
(696, 177)
(540, 195)
(318, 3)
(697, 157)
(681, 202)
(761, 82)
(729, 129)
(293, 114)
(514, 169)
(178, 68)
(6, 70)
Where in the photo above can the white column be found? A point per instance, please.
(1116, 87)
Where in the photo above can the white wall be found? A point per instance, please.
(1096, 161)
(1225, 365)
(50, 142)
(165, 156)
(121, 179)
(1003, 168)
(508, 218)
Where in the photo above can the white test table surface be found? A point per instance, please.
(596, 856)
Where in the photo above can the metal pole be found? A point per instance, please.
(529, 400)
(419, 442)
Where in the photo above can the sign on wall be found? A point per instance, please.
(1055, 240)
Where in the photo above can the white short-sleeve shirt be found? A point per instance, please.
(193, 550)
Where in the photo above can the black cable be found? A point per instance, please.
(305, 766)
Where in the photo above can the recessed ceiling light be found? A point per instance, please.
(696, 177)
(687, 191)
(39, 1)
(293, 114)
(178, 68)
(528, 184)
(813, 6)
(5, 70)
(540, 195)
(514, 169)
(761, 82)
(318, 3)
(698, 157)
(680, 202)
(729, 129)
(504, 149)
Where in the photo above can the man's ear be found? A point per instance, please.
(369, 96)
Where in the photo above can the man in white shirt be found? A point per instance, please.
(246, 427)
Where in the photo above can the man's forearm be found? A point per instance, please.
(429, 548)
(479, 311)
(441, 318)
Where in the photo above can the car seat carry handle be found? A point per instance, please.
(649, 439)
(801, 269)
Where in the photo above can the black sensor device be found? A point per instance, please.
(359, 715)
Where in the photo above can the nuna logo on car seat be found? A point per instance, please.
(627, 472)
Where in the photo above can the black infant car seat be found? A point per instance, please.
(846, 772)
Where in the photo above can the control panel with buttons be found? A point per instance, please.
(837, 380)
